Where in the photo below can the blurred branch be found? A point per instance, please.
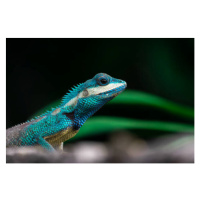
(122, 147)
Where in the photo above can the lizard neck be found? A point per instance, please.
(80, 118)
(84, 108)
(81, 114)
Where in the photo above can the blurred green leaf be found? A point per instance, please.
(98, 125)
(132, 97)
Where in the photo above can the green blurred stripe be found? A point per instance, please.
(101, 124)
(132, 97)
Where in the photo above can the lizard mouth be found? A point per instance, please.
(115, 91)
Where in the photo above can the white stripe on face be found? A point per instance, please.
(93, 91)
(100, 89)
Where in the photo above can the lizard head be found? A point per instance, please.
(102, 87)
(88, 97)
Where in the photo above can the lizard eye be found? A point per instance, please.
(103, 81)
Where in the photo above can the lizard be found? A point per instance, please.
(54, 127)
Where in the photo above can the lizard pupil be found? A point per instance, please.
(103, 81)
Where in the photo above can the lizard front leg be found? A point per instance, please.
(59, 146)
(41, 141)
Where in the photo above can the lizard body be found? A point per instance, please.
(51, 129)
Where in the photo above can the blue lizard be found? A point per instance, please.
(54, 127)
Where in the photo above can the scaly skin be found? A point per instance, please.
(51, 129)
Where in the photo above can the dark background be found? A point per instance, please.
(40, 71)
